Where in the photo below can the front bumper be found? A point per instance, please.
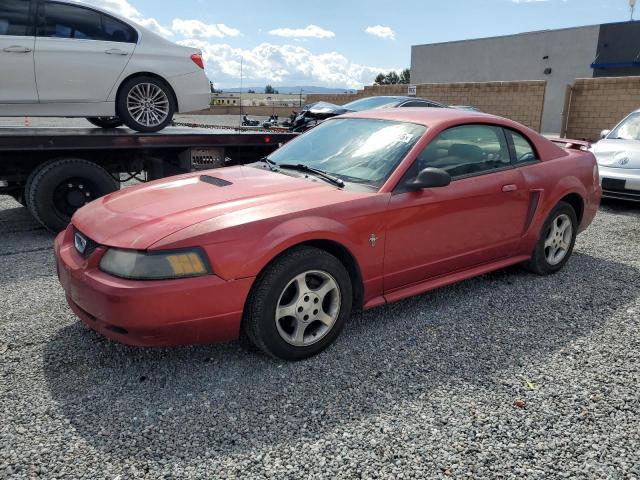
(191, 311)
(620, 183)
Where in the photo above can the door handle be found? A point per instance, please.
(16, 49)
(116, 51)
(509, 188)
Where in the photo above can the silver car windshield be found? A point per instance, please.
(355, 150)
(629, 129)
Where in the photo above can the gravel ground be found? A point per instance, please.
(509, 375)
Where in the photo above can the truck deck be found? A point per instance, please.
(56, 170)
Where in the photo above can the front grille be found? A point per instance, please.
(90, 247)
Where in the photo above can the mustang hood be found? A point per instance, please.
(140, 216)
(618, 153)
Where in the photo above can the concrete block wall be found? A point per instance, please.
(596, 104)
(519, 101)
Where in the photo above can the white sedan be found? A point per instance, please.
(64, 59)
(618, 155)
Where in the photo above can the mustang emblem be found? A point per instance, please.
(80, 243)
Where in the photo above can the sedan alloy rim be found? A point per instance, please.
(148, 104)
(308, 308)
(558, 241)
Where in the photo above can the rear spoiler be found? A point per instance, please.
(569, 144)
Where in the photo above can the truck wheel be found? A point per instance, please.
(105, 122)
(299, 304)
(146, 104)
(60, 187)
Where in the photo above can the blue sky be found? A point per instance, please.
(343, 43)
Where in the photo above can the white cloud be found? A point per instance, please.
(126, 10)
(382, 32)
(310, 31)
(529, 1)
(281, 64)
(198, 29)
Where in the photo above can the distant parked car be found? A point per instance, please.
(618, 155)
(315, 112)
(468, 108)
(62, 59)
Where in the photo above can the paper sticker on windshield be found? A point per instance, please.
(405, 138)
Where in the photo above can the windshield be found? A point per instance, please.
(372, 103)
(629, 129)
(355, 150)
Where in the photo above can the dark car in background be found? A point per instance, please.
(316, 112)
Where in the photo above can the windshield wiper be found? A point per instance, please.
(272, 165)
(304, 168)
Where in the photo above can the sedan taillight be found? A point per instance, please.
(197, 59)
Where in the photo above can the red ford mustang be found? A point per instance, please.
(365, 209)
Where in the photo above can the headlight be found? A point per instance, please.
(137, 265)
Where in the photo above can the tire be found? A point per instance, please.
(105, 122)
(58, 188)
(138, 87)
(277, 286)
(543, 261)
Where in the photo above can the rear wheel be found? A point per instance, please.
(105, 122)
(146, 104)
(299, 304)
(60, 187)
(556, 242)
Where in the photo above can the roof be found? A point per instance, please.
(430, 117)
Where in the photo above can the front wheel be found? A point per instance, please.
(556, 242)
(299, 304)
(105, 122)
(146, 104)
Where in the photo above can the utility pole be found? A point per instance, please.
(241, 61)
(632, 4)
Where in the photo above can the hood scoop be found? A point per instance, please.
(217, 182)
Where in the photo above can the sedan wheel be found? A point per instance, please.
(146, 104)
(299, 304)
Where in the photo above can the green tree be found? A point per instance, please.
(380, 79)
(269, 89)
(392, 78)
(405, 76)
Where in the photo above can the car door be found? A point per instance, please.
(80, 53)
(17, 42)
(476, 219)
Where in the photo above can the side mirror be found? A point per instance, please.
(604, 133)
(430, 178)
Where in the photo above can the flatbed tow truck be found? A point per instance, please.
(55, 171)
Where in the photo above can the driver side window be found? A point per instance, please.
(467, 150)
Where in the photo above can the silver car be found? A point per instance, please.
(618, 155)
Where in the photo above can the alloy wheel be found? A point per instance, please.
(308, 308)
(148, 104)
(558, 240)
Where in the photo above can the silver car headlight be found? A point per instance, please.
(137, 265)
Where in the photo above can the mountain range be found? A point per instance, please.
(293, 90)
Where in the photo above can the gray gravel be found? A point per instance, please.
(429, 387)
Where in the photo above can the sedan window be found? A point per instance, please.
(355, 150)
(70, 21)
(14, 18)
(465, 151)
